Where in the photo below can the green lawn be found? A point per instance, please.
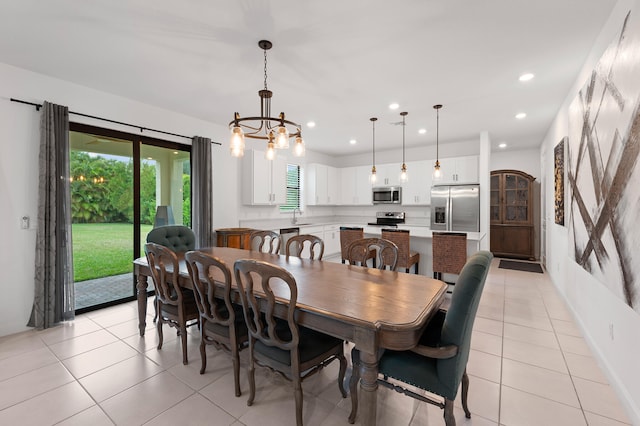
(103, 249)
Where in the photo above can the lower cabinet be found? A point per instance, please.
(512, 241)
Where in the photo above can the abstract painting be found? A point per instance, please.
(558, 173)
(603, 175)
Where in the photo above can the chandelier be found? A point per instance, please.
(275, 130)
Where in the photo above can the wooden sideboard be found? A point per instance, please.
(234, 237)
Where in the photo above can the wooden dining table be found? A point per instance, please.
(369, 307)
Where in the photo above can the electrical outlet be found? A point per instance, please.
(611, 331)
(24, 222)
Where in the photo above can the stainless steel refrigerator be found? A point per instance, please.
(455, 208)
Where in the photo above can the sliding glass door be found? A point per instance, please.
(122, 186)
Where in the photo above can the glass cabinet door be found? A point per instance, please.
(494, 207)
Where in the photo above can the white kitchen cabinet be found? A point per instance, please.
(355, 188)
(458, 170)
(388, 174)
(322, 185)
(331, 240)
(417, 190)
(263, 181)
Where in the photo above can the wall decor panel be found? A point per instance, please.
(603, 176)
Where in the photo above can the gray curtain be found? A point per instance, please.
(202, 191)
(54, 299)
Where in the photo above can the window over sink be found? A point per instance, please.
(293, 189)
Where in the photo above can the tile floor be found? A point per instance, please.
(528, 365)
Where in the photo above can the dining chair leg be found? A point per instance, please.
(235, 358)
(251, 373)
(297, 389)
(416, 268)
(353, 386)
(449, 418)
(203, 353)
(159, 328)
(183, 336)
(465, 392)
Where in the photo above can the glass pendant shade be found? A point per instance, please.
(282, 138)
(298, 148)
(237, 142)
(271, 150)
(404, 176)
(372, 177)
(437, 173)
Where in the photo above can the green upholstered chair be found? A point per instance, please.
(438, 364)
(278, 343)
(178, 238)
(221, 321)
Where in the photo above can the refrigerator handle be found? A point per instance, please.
(449, 213)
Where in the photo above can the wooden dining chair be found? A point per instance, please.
(267, 241)
(406, 257)
(438, 364)
(349, 234)
(296, 245)
(386, 253)
(176, 306)
(280, 343)
(221, 321)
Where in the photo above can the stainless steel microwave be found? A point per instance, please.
(387, 195)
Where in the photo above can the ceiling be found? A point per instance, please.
(336, 63)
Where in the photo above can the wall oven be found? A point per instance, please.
(387, 195)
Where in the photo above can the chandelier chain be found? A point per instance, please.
(265, 69)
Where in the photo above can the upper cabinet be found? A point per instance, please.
(387, 174)
(459, 170)
(355, 188)
(263, 181)
(417, 190)
(322, 185)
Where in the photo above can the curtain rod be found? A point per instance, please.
(38, 106)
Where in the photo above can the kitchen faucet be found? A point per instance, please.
(293, 219)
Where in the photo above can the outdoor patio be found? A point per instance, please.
(103, 290)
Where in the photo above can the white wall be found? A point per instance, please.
(526, 160)
(19, 136)
(595, 307)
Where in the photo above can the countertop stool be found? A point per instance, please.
(406, 257)
(348, 235)
(449, 253)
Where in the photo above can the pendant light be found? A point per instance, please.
(403, 170)
(437, 173)
(373, 177)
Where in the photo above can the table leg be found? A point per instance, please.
(368, 387)
(142, 303)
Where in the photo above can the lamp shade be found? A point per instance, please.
(164, 216)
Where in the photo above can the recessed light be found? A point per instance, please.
(394, 106)
(526, 77)
(422, 131)
(521, 115)
(175, 152)
(311, 124)
(502, 145)
(149, 158)
(353, 141)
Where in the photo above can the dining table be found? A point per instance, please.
(373, 309)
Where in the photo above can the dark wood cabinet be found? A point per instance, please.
(234, 237)
(511, 214)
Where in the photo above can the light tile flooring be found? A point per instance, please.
(528, 365)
